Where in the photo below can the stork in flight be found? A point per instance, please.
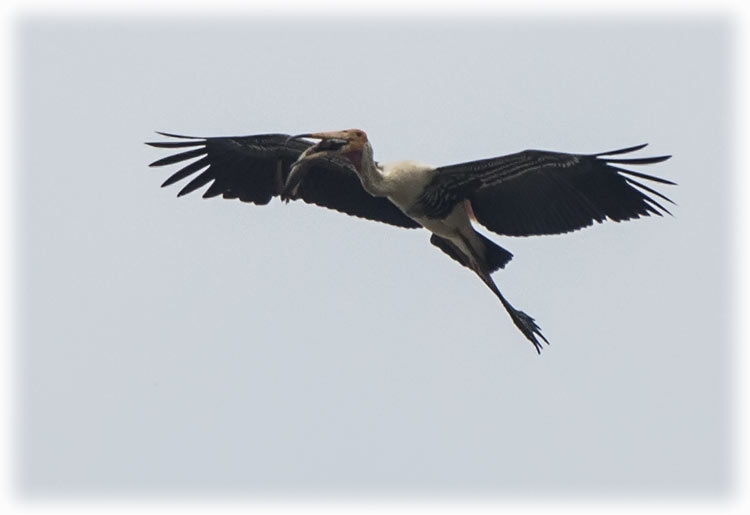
(532, 192)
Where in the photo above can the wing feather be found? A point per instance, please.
(254, 169)
(186, 171)
(178, 158)
(538, 192)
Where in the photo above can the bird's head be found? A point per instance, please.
(350, 144)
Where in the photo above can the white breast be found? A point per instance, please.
(405, 181)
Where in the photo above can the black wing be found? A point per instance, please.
(537, 192)
(255, 168)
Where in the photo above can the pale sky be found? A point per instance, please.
(171, 346)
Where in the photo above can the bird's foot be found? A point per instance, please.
(529, 328)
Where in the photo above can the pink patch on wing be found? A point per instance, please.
(469, 210)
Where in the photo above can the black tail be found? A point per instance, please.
(495, 257)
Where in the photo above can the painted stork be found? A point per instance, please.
(532, 192)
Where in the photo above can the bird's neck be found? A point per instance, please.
(370, 175)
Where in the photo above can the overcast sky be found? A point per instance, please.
(171, 346)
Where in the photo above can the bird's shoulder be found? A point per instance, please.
(405, 180)
(406, 168)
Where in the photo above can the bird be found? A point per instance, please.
(528, 193)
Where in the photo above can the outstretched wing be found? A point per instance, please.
(537, 192)
(255, 168)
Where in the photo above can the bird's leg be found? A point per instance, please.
(524, 322)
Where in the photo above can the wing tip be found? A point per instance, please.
(172, 135)
(184, 191)
(633, 160)
(195, 141)
(622, 150)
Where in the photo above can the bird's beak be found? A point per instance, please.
(329, 142)
(299, 136)
(335, 137)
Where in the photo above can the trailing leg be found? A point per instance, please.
(524, 322)
(477, 260)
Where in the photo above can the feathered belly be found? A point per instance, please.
(455, 226)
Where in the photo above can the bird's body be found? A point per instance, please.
(528, 193)
(406, 180)
(403, 182)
